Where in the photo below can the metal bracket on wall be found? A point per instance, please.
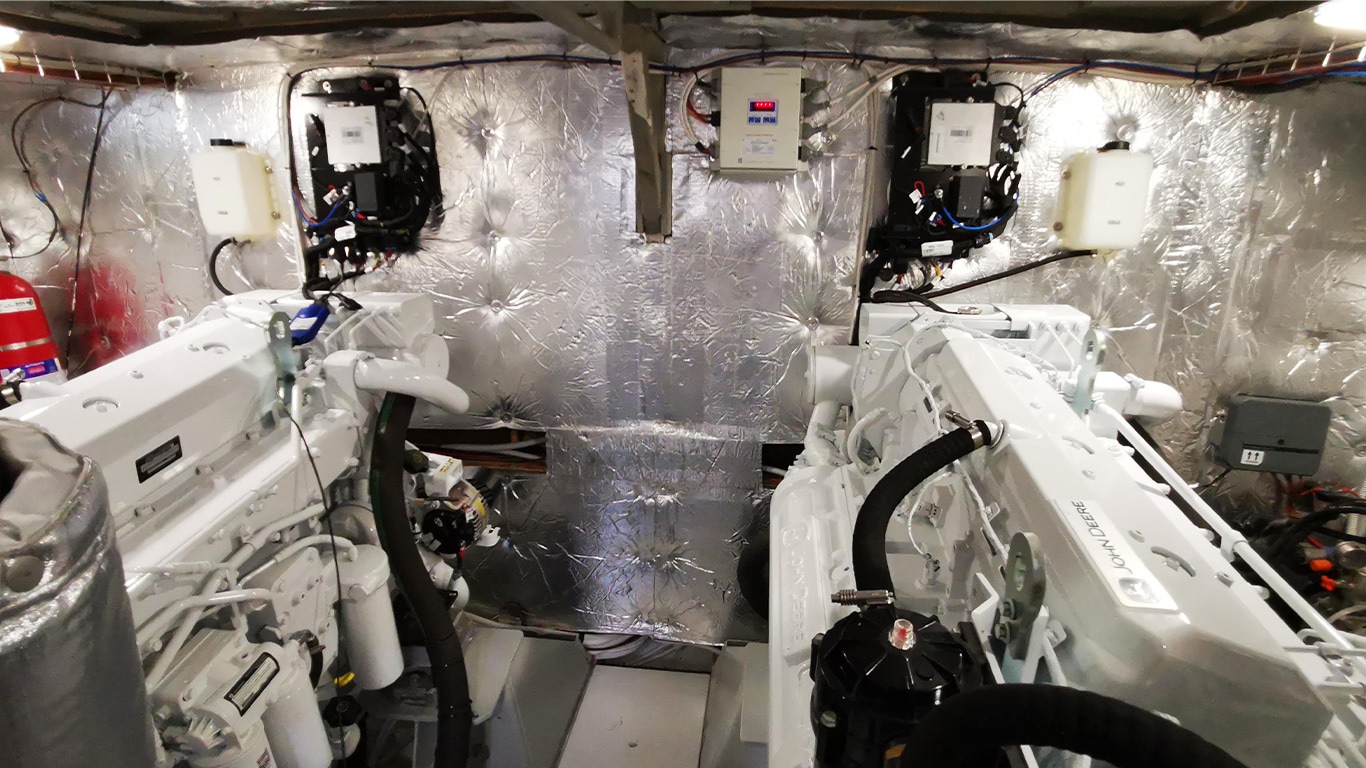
(628, 33)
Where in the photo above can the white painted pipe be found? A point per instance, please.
(854, 439)
(163, 620)
(211, 584)
(379, 375)
(1230, 540)
(829, 373)
(817, 448)
(346, 548)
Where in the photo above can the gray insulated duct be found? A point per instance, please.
(71, 684)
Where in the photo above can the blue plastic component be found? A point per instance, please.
(305, 325)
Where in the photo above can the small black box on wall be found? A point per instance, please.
(1272, 434)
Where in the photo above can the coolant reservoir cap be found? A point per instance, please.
(895, 657)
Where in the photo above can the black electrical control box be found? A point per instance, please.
(954, 173)
(375, 179)
(1271, 434)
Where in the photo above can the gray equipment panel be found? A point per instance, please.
(1269, 434)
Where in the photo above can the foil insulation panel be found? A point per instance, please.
(649, 361)
(635, 530)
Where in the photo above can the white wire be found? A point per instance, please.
(855, 437)
(683, 115)
(915, 507)
(1345, 612)
(860, 94)
(495, 447)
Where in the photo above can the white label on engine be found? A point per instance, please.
(17, 305)
(1133, 585)
(252, 684)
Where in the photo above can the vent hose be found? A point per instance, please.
(870, 530)
(454, 715)
(967, 730)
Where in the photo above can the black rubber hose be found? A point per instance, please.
(213, 266)
(455, 718)
(1285, 543)
(1064, 256)
(968, 730)
(870, 530)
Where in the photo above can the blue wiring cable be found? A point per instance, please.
(308, 220)
(1195, 75)
(331, 213)
(299, 206)
(1335, 73)
(969, 227)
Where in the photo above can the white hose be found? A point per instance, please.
(819, 450)
(380, 375)
(684, 118)
(855, 438)
(860, 94)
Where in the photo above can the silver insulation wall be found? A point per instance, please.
(659, 369)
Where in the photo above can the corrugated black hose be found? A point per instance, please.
(454, 715)
(968, 730)
(870, 530)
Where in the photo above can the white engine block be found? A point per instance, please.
(217, 444)
(1138, 604)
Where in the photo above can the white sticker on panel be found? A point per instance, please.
(758, 146)
(352, 135)
(936, 248)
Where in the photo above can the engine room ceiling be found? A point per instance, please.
(150, 33)
(188, 22)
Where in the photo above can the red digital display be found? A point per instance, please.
(763, 106)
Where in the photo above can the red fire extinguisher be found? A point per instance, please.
(25, 339)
